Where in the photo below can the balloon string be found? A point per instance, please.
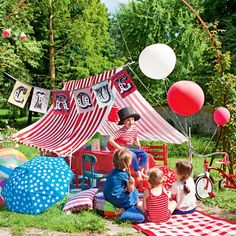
(179, 125)
(154, 99)
(123, 38)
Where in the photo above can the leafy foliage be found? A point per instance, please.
(164, 21)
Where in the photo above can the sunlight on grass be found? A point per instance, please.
(54, 220)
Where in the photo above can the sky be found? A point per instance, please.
(113, 5)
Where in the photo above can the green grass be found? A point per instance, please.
(87, 221)
(53, 220)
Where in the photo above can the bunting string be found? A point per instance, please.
(83, 97)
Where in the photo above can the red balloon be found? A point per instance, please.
(221, 116)
(185, 97)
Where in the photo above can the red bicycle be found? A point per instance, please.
(204, 181)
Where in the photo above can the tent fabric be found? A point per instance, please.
(65, 134)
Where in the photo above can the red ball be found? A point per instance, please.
(185, 97)
(221, 116)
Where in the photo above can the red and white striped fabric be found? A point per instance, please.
(151, 125)
(66, 134)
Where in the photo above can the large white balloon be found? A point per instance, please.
(157, 61)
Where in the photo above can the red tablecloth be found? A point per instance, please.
(104, 161)
(105, 164)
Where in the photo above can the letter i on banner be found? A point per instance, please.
(61, 102)
(103, 94)
(20, 94)
(40, 99)
(83, 100)
(123, 83)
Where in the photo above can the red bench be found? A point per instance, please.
(159, 153)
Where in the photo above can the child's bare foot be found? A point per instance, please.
(119, 211)
(139, 176)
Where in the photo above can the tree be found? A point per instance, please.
(66, 39)
(223, 12)
(164, 21)
(80, 37)
(17, 56)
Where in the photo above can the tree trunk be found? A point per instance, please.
(51, 48)
(30, 115)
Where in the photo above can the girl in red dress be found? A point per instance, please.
(156, 204)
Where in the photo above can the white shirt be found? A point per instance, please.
(185, 202)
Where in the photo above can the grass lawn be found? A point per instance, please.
(87, 221)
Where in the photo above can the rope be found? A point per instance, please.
(179, 125)
(181, 128)
(123, 38)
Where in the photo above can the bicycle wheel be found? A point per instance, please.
(201, 191)
(222, 183)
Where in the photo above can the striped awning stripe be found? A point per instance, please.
(65, 134)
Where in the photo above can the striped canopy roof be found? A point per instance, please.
(65, 134)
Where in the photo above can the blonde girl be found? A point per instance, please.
(156, 205)
(183, 190)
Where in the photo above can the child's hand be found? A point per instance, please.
(131, 180)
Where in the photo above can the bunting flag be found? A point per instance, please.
(40, 99)
(103, 94)
(83, 100)
(61, 101)
(123, 83)
(20, 94)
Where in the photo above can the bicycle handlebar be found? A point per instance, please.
(224, 154)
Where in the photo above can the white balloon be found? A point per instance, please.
(157, 61)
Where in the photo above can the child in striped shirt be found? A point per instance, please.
(128, 136)
(156, 204)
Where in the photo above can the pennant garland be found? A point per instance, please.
(103, 94)
(124, 83)
(84, 98)
(20, 94)
(61, 102)
(40, 99)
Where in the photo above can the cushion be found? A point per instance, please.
(132, 214)
(80, 201)
(103, 207)
(2, 202)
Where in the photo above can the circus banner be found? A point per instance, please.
(20, 94)
(61, 102)
(103, 94)
(40, 99)
(123, 83)
(83, 100)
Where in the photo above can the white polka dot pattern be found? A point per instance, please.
(37, 185)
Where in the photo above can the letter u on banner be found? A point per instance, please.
(83, 100)
(20, 94)
(123, 83)
(103, 94)
(61, 102)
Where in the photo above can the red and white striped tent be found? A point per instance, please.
(66, 134)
